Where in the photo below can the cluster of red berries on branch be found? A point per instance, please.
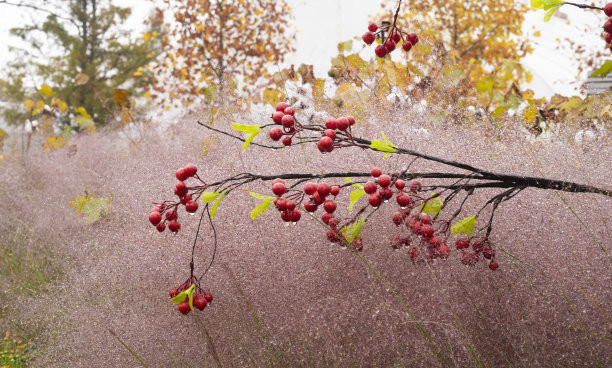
(190, 289)
(608, 25)
(327, 141)
(390, 36)
(187, 197)
(471, 250)
(284, 116)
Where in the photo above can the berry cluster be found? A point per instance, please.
(326, 143)
(391, 41)
(170, 208)
(286, 206)
(471, 249)
(608, 25)
(284, 116)
(200, 298)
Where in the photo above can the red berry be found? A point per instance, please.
(413, 38)
(389, 45)
(180, 186)
(493, 266)
(285, 216)
(385, 193)
(488, 253)
(171, 215)
(427, 231)
(608, 37)
(406, 46)
(396, 242)
(425, 218)
(289, 111)
(478, 245)
(608, 26)
(443, 251)
(277, 180)
(330, 133)
(384, 180)
(295, 215)
(186, 199)
(181, 174)
(398, 218)
(330, 123)
(182, 192)
(325, 144)
(335, 190)
(333, 236)
(342, 124)
(276, 134)
(290, 205)
(174, 226)
(199, 302)
(375, 200)
(462, 243)
(400, 184)
(404, 200)
(333, 222)
(184, 307)
(326, 217)
(287, 141)
(278, 189)
(173, 293)
(376, 172)
(435, 241)
(372, 27)
(351, 120)
(191, 207)
(330, 206)
(380, 51)
(287, 121)
(208, 297)
(161, 227)
(155, 217)
(190, 170)
(323, 189)
(608, 9)
(415, 186)
(370, 187)
(368, 38)
(310, 207)
(277, 117)
(281, 106)
(395, 36)
(281, 204)
(310, 188)
(414, 253)
(317, 198)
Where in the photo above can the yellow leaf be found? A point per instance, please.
(122, 97)
(530, 114)
(272, 96)
(81, 110)
(81, 79)
(29, 105)
(147, 94)
(62, 105)
(126, 116)
(146, 36)
(46, 90)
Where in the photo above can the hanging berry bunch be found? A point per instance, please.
(189, 295)
(390, 35)
(608, 25)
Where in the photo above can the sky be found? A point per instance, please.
(321, 24)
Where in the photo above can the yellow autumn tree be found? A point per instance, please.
(214, 46)
(482, 38)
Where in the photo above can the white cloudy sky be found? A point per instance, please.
(321, 24)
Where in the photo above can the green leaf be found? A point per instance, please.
(83, 122)
(248, 129)
(433, 205)
(348, 180)
(550, 12)
(352, 231)
(92, 208)
(385, 146)
(213, 211)
(546, 4)
(604, 70)
(181, 296)
(250, 139)
(208, 197)
(355, 195)
(465, 226)
(262, 207)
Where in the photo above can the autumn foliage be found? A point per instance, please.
(214, 46)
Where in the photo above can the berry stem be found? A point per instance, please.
(583, 6)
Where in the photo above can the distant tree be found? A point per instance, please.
(213, 46)
(77, 36)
